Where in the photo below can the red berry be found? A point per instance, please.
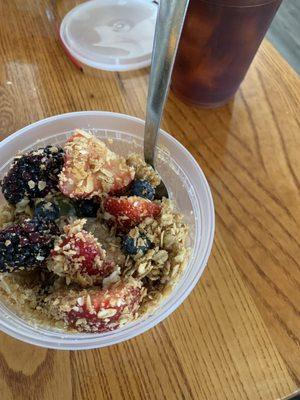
(128, 212)
(91, 169)
(97, 310)
(79, 256)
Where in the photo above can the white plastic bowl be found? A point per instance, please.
(186, 183)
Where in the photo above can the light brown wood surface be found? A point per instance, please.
(237, 335)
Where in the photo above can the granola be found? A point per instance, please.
(115, 255)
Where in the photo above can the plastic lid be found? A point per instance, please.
(114, 35)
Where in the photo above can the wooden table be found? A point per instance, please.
(237, 335)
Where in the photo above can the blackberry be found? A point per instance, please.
(135, 242)
(46, 210)
(33, 175)
(87, 208)
(26, 245)
(142, 189)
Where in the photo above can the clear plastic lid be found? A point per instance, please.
(114, 35)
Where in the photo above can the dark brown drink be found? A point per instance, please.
(218, 43)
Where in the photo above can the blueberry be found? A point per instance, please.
(46, 210)
(142, 189)
(87, 208)
(66, 206)
(135, 243)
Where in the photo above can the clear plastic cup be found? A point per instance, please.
(187, 186)
(219, 41)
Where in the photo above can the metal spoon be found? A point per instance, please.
(168, 29)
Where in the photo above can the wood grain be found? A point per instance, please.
(214, 346)
(237, 335)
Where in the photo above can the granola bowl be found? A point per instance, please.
(187, 187)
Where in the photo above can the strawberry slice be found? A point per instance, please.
(79, 257)
(127, 212)
(97, 310)
(91, 169)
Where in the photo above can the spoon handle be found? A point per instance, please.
(168, 29)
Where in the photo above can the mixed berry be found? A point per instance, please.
(135, 243)
(65, 189)
(91, 169)
(46, 210)
(78, 255)
(142, 189)
(33, 175)
(87, 208)
(97, 310)
(127, 212)
(26, 245)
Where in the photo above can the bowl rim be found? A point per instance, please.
(72, 341)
